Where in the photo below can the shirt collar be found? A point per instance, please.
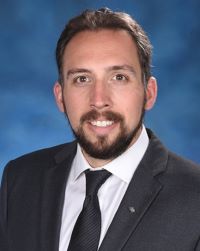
(123, 166)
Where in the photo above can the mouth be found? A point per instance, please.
(101, 127)
(101, 123)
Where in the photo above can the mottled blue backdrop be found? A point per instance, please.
(28, 34)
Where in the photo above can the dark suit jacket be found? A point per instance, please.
(164, 191)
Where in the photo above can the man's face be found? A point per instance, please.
(103, 94)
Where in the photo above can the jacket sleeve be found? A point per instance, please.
(3, 213)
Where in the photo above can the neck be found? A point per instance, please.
(94, 162)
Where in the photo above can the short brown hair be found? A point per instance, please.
(104, 18)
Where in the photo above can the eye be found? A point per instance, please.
(120, 77)
(81, 79)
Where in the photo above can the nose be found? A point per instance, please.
(100, 96)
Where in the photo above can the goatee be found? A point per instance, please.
(102, 148)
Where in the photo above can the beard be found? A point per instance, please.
(103, 148)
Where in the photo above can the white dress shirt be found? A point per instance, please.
(110, 193)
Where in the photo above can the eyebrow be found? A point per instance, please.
(76, 70)
(122, 67)
(108, 69)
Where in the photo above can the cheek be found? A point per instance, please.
(132, 108)
(74, 109)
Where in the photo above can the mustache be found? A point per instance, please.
(107, 115)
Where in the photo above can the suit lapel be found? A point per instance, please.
(52, 198)
(142, 191)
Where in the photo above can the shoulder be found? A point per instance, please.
(46, 154)
(183, 171)
(182, 163)
(40, 159)
(175, 170)
(182, 176)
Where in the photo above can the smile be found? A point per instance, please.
(103, 123)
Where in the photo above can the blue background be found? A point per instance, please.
(29, 31)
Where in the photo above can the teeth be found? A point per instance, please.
(102, 123)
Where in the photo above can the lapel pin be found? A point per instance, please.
(131, 209)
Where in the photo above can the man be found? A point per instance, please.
(149, 199)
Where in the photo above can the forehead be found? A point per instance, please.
(102, 37)
(101, 46)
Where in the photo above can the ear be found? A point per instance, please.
(58, 96)
(151, 93)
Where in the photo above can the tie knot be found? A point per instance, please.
(94, 180)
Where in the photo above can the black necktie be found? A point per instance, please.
(86, 232)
